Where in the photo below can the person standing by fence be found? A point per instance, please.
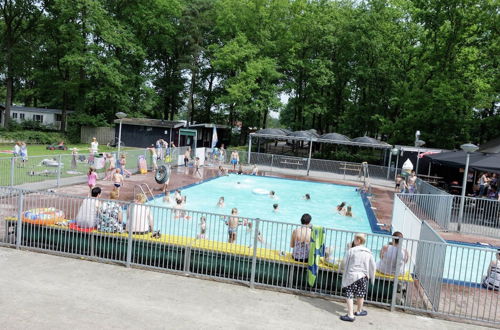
(359, 267)
(492, 279)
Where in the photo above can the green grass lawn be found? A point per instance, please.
(35, 171)
(40, 150)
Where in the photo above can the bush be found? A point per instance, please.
(36, 137)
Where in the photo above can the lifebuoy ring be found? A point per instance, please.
(260, 191)
(162, 174)
(43, 216)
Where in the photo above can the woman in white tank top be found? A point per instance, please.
(388, 257)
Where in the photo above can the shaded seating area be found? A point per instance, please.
(304, 143)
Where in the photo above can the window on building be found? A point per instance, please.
(38, 118)
(14, 115)
(21, 116)
(58, 117)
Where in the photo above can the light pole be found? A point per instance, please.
(468, 148)
(120, 115)
(394, 152)
(418, 144)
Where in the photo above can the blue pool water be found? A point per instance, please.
(239, 191)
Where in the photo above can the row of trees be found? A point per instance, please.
(377, 67)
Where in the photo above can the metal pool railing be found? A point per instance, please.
(343, 170)
(439, 278)
(480, 216)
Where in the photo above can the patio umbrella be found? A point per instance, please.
(302, 134)
(271, 131)
(335, 137)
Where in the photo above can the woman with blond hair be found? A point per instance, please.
(359, 267)
(141, 219)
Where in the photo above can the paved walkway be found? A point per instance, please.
(39, 291)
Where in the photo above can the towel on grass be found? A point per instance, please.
(316, 250)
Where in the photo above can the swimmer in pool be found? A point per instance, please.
(203, 228)
(307, 197)
(179, 210)
(232, 224)
(348, 213)
(220, 203)
(166, 198)
(272, 194)
(341, 208)
(177, 195)
(275, 208)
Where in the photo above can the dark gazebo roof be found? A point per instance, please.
(303, 134)
(368, 140)
(271, 131)
(335, 137)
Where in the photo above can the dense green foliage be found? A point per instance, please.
(383, 68)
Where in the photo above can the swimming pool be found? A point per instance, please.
(240, 191)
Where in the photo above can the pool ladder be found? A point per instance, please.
(141, 186)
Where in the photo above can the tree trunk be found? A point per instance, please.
(64, 110)
(8, 100)
(191, 94)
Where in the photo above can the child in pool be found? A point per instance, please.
(307, 197)
(348, 213)
(166, 198)
(275, 208)
(272, 194)
(220, 203)
(177, 195)
(232, 224)
(203, 228)
(341, 208)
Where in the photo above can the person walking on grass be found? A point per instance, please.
(359, 267)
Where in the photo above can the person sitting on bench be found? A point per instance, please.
(388, 257)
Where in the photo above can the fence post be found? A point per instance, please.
(130, 221)
(12, 166)
(59, 165)
(272, 162)
(254, 257)
(396, 275)
(19, 229)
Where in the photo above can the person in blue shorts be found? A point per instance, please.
(235, 159)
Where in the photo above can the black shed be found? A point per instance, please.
(142, 132)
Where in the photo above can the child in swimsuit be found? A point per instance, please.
(123, 162)
(91, 178)
(220, 203)
(348, 213)
(203, 228)
(232, 226)
(117, 180)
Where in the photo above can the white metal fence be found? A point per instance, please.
(445, 278)
(49, 171)
(480, 216)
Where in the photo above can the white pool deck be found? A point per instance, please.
(40, 291)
